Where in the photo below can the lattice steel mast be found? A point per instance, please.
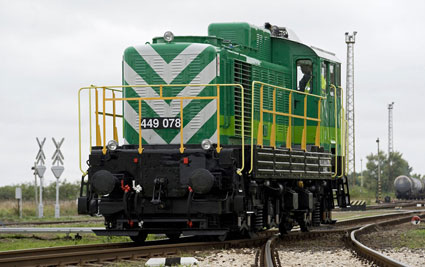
(351, 141)
(390, 129)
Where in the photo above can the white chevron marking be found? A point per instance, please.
(150, 136)
(204, 77)
(205, 114)
(168, 72)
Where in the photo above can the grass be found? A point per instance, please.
(27, 241)
(68, 211)
(413, 239)
(9, 211)
(345, 215)
(362, 193)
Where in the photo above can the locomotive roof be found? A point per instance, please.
(242, 33)
(325, 54)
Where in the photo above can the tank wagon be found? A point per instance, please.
(234, 132)
(409, 188)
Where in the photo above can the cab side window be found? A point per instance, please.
(305, 75)
(332, 76)
(324, 78)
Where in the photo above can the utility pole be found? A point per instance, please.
(351, 141)
(378, 195)
(361, 175)
(390, 139)
(390, 128)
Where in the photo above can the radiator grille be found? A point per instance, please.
(243, 76)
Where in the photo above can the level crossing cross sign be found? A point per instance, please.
(58, 156)
(40, 155)
(57, 159)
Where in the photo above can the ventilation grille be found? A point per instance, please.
(243, 76)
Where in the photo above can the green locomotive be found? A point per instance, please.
(235, 132)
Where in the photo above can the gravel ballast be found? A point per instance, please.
(392, 242)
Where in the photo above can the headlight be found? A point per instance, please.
(168, 36)
(206, 144)
(112, 145)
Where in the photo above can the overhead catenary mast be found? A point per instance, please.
(351, 141)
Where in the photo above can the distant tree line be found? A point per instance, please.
(391, 166)
(67, 191)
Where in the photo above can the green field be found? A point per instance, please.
(362, 193)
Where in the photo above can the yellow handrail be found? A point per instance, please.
(342, 118)
(104, 121)
(140, 127)
(304, 136)
(336, 130)
(289, 131)
(140, 99)
(317, 141)
(114, 116)
(274, 112)
(98, 138)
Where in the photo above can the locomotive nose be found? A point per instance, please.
(103, 182)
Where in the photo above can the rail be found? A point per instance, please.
(371, 254)
(161, 87)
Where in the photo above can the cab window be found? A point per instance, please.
(304, 75)
(332, 75)
(323, 76)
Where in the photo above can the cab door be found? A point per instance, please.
(306, 81)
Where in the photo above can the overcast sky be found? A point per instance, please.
(49, 49)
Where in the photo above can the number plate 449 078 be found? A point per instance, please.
(160, 123)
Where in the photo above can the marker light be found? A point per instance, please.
(112, 145)
(168, 36)
(206, 144)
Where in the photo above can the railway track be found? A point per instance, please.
(374, 207)
(52, 222)
(369, 253)
(88, 254)
(268, 256)
(400, 204)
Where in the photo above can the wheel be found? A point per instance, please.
(285, 227)
(222, 237)
(173, 236)
(252, 234)
(305, 225)
(140, 238)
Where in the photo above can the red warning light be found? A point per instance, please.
(190, 224)
(135, 160)
(186, 160)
